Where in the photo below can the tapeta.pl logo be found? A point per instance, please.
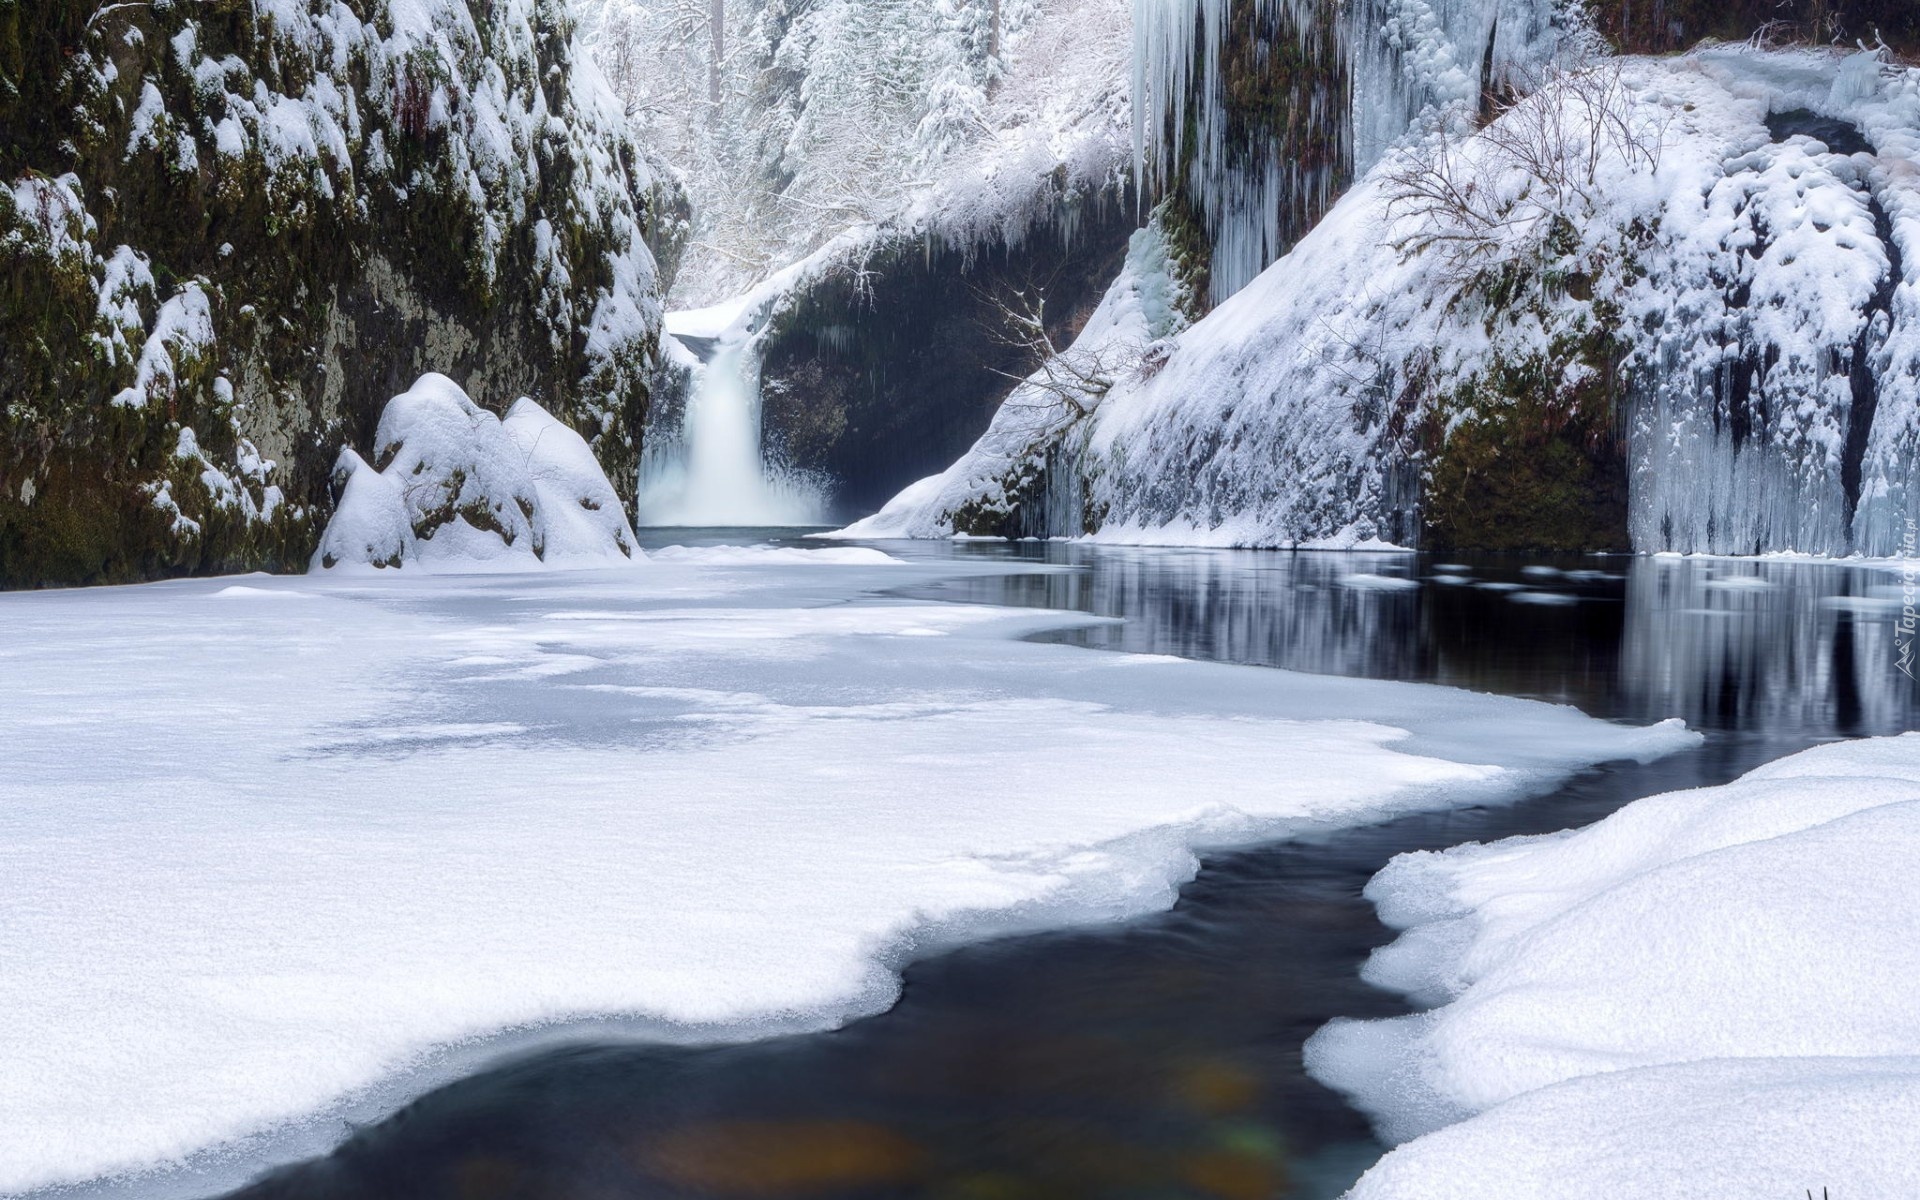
(1903, 632)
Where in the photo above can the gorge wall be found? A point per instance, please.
(1594, 303)
(232, 230)
(874, 376)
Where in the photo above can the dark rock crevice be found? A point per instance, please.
(878, 374)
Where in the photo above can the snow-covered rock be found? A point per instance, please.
(1706, 994)
(1691, 266)
(458, 487)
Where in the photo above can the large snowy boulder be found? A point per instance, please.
(456, 486)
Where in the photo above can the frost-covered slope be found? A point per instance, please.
(1716, 254)
(1707, 994)
(231, 232)
(723, 796)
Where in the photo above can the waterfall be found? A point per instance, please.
(711, 471)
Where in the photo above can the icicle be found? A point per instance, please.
(1396, 59)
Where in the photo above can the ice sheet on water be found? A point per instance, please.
(721, 801)
(1707, 993)
(766, 556)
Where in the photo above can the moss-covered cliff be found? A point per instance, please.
(1655, 26)
(232, 229)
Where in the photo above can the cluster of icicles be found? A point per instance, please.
(1389, 61)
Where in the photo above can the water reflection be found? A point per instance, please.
(1766, 646)
(1802, 649)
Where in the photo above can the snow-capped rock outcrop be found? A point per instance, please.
(1676, 308)
(457, 487)
(231, 232)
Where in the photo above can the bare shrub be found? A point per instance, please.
(1077, 376)
(1479, 197)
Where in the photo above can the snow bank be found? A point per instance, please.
(710, 801)
(1706, 994)
(1702, 1131)
(458, 487)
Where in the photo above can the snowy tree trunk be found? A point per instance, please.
(993, 30)
(717, 22)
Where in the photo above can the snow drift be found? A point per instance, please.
(1706, 994)
(457, 486)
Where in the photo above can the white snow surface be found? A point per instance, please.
(268, 865)
(1706, 994)
(462, 489)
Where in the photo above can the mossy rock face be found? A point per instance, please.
(1523, 477)
(1656, 26)
(230, 232)
(1526, 454)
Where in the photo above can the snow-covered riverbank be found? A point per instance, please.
(1707, 994)
(269, 847)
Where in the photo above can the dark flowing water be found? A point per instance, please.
(1161, 1059)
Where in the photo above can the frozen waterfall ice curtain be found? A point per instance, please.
(1352, 77)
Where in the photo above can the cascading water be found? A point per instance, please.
(711, 471)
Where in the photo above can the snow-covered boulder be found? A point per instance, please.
(455, 486)
(1709, 993)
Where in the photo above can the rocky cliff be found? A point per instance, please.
(1581, 302)
(233, 229)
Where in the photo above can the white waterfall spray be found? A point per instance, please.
(713, 472)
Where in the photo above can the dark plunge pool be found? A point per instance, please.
(1161, 1058)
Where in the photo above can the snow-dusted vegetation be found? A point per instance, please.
(233, 230)
(1704, 994)
(960, 122)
